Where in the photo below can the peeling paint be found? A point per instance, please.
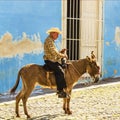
(115, 71)
(107, 43)
(10, 48)
(117, 35)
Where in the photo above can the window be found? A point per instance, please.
(73, 25)
(82, 28)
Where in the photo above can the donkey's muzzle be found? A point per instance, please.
(96, 79)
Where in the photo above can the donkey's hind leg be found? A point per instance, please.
(18, 98)
(24, 99)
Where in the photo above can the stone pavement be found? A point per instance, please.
(91, 103)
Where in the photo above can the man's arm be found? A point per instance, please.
(54, 51)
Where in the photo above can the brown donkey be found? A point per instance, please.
(35, 74)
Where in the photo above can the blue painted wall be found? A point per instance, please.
(111, 58)
(33, 18)
(24, 22)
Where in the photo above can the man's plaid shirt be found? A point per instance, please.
(50, 51)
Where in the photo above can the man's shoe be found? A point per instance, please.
(62, 94)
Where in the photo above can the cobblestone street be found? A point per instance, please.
(91, 103)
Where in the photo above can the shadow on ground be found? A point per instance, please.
(45, 117)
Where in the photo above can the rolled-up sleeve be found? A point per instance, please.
(53, 50)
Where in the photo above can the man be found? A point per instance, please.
(52, 58)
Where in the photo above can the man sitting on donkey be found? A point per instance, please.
(53, 57)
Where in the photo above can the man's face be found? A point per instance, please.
(54, 35)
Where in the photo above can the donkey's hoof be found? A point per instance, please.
(66, 112)
(28, 116)
(69, 112)
(17, 115)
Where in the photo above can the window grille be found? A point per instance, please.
(82, 28)
(73, 29)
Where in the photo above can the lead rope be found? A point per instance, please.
(76, 70)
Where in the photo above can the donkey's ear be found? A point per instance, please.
(93, 57)
(88, 58)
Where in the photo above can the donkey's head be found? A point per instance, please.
(92, 67)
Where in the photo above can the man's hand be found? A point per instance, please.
(63, 51)
(66, 56)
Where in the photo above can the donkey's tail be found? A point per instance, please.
(16, 84)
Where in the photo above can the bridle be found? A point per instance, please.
(92, 64)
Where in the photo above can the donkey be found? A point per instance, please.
(33, 74)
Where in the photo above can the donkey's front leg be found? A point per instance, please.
(66, 106)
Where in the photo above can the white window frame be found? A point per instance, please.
(89, 40)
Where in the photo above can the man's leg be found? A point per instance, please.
(60, 80)
(59, 75)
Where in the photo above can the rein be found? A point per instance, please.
(86, 70)
(76, 70)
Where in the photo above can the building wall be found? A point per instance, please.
(23, 26)
(111, 59)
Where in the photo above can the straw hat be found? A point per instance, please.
(54, 29)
